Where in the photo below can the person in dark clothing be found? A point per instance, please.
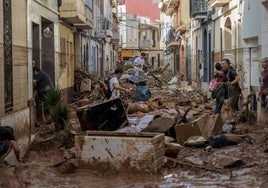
(42, 82)
(263, 89)
(234, 89)
(7, 143)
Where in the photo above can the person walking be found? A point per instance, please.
(115, 85)
(232, 82)
(263, 90)
(221, 89)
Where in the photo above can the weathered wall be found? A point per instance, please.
(66, 61)
(20, 50)
(19, 57)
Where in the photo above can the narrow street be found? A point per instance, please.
(133, 93)
(45, 163)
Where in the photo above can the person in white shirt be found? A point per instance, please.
(115, 85)
(139, 63)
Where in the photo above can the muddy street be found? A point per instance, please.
(189, 160)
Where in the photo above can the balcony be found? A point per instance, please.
(198, 9)
(168, 6)
(170, 35)
(145, 44)
(218, 3)
(173, 38)
(77, 13)
(104, 26)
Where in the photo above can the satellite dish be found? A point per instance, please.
(47, 32)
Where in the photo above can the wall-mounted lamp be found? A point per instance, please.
(47, 32)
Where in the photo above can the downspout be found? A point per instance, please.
(221, 40)
(235, 46)
(249, 71)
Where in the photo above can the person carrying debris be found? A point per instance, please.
(263, 89)
(7, 143)
(234, 89)
(139, 64)
(115, 85)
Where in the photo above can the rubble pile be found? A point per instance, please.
(84, 85)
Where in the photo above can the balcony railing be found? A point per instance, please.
(218, 3)
(198, 9)
(104, 26)
(76, 12)
(170, 35)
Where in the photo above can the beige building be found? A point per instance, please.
(75, 24)
(139, 35)
(178, 32)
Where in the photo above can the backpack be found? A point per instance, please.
(106, 91)
(213, 84)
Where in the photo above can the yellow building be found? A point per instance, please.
(66, 60)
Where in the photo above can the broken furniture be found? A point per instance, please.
(108, 116)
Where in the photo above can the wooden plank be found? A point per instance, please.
(121, 134)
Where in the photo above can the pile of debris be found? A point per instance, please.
(162, 104)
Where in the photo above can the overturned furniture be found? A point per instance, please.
(107, 116)
(118, 151)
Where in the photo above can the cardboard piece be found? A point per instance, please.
(204, 126)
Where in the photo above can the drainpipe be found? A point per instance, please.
(221, 40)
(249, 71)
(235, 46)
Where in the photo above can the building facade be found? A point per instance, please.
(139, 33)
(177, 36)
